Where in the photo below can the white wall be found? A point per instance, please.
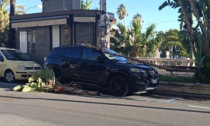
(55, 36)
(23, 41)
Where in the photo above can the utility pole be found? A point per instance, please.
(103, 5)
(102, 24)
(11, 42)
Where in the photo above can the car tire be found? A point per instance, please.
(9, 76)
(118, 86)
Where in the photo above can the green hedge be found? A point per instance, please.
(182, 79)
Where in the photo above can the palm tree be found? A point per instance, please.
(121, 40)
(122, 12)
(86, 6)
(144, 43)
(173, 42)
(152, 44)
(131, 41)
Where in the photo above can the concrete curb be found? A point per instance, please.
(185, 88)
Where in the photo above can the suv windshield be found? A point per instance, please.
(112, 55)
(15, 55)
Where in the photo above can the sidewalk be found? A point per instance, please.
(193, 89)
(198, 90)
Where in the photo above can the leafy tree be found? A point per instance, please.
(4, 21)
(145, 44)
(199, 34)
(173, 43)
(5, 27)
(150, 42)
(132, 42)
(86, 6)
(160, 37)
(120, 42)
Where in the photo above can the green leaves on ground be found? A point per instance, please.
(42, 80)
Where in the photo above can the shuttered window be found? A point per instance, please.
(84, 33)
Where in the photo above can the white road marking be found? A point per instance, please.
(170, 100)
(200, 107)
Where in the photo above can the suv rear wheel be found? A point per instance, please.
(118, 86)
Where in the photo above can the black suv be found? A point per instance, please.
(101, 67)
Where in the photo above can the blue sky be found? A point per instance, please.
(165, 19)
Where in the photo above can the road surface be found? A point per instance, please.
(50, 109)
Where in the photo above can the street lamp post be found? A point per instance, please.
(37, 6)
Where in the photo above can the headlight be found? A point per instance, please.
(21, 67)
(137, 70)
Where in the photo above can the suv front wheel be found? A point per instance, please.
(118, 86)
(58, 76)
(9, 76)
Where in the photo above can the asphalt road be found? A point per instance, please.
(49, 109)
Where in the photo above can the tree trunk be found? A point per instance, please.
(11, 40)
(189, 27)
(204, 25)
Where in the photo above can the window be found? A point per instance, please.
(42, 41)
(84, 33)
(90, 54)
(70, 52)
(66, 35)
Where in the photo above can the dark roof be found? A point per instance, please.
(83, 13)
(80, 46)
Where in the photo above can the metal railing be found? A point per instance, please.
(172, 65)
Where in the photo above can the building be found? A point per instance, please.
(60, 23)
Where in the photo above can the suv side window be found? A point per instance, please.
(90, 54)
(71, 52)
